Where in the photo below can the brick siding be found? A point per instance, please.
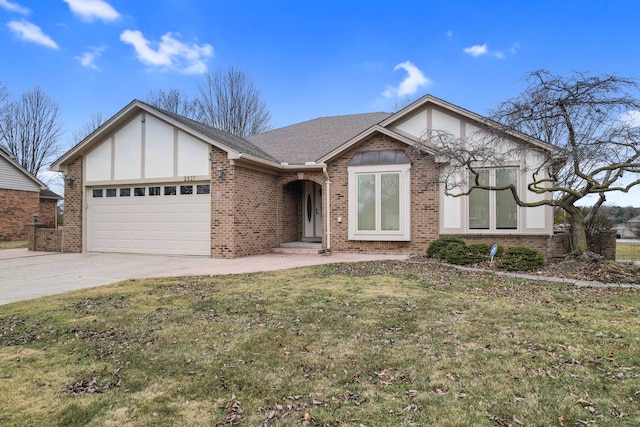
(245, 210)
(45, 239)
(424, 201)
(73, 212)
(16, 211)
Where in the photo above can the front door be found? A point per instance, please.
(312, 212)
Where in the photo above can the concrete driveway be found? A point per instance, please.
(25, 275)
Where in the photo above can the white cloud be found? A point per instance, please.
(88, 58)
(476, 50)
(410, 84)
(170, 53)
(14, 7)
(90, 10)
(449, 34)
(631, 118)
(482, 49)
(32, 33)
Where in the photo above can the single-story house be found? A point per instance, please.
(22, 196)
(154, 182)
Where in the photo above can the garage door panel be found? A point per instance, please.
(173, 224)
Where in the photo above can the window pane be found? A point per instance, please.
(366, 202)
(170, 190)
(390, 201)
(186, 189)
(479, 202)
(138, 191)
(506, 208)
(97, 192)
(203, 189)
(111, 192)
(154, 191)
(125, 192)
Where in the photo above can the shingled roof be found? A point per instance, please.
(309, 141)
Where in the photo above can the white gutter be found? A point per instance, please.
(328, 207)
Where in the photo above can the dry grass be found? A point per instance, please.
(370, 344)
(13, 244)
(628, 250)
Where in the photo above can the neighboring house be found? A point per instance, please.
(150, 181)
(22, 195)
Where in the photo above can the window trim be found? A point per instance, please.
(402, 235)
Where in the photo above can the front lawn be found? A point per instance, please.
(370, 344)
(628, 250)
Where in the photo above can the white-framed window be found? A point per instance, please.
(379, 202)
(493, 210)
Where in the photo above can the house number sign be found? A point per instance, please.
(189, 178)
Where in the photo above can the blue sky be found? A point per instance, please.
(308, 58)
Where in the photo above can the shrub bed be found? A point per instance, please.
(454, 250)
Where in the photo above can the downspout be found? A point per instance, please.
(328, 207)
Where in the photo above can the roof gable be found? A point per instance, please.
(429, 112)
(408, 118)
(231, 144)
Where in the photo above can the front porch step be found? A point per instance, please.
(299, 248)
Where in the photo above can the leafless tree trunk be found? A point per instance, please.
(229, 101)
(30, 129)
(175, 101)
(591, 125)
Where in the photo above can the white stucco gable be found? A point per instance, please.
(525, 155)
(147, 148)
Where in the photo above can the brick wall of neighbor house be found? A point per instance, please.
(16, 211)
(424, 201)
(47, 214)
(73, 200)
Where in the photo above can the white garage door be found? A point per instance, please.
(158, 219)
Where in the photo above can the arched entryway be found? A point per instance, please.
(302, 214)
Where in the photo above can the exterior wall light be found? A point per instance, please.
(70, 181)
(220, 174)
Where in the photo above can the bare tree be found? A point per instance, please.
(401, 103)
(87, 128)
(593, 144)
(30, 127)
(175, 101)
(4, 108)
(229, 101)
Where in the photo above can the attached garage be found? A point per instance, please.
(170, 219)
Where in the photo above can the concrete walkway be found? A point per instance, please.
(25, 275)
